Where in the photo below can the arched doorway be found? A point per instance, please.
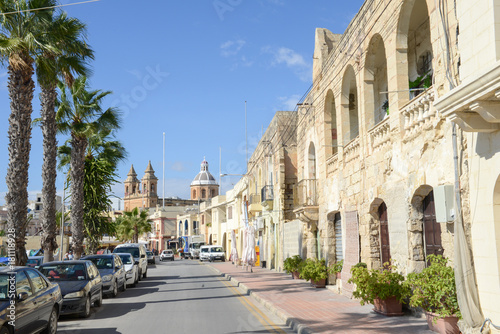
(330, 121)
(350, 104)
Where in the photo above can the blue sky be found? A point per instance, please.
(186, 68)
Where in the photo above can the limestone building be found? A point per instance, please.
(141, 193)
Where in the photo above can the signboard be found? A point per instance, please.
(351, 251)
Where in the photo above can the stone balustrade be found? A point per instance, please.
(332, 164)
(419, 111)
(351, 150)
(379, 135)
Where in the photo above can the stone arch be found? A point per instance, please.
(311, 166)
(416, 228)
(333, 243)
(496, 217)
(378, 234)
(350, 105)
(330, 124)
(376, 100)
(414, 46)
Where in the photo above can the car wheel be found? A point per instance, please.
(86, 312)
(51, 326)
(4, 330)
(145, 274)
(115, 289)
(124, 286)
(136, 279)
(98, 302)
(172, 259)
(223, 259)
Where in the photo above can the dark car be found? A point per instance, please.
(34, 261)
(112, 271)
(37, 301)
(80, 283)
(151, 257)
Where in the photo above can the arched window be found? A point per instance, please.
(126, 190)
(213, 193)
(330, 122)
(152, 188)
(385, 248)
(350, 104)
(312, 161)
(203, 193)
(194, 194)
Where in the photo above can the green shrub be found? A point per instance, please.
(382, 284)
(336, 268)
(314, 270)
(434, 288)
(293, 263)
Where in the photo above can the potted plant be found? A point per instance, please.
(316, 271)
(382, 288)
(336, 268)
(293, 265)
(435, 292)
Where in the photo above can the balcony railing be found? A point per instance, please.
(332, 164)
(379, 135)
(266, 193)
(254, 199)
(419, 111)
(351, 150)
(307, 192)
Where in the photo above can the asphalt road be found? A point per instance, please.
(179, 297)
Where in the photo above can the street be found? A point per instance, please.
(183, 296)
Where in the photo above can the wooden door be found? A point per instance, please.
(432, 229)
(385, 250)
(338, 237)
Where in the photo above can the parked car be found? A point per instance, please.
(80, 283)
(38, 301)
(131, 270)
(216, 253)
(167, 254)
(138, 251)
(151, 257)
(112, 272)
(34, 261)
(204, 253)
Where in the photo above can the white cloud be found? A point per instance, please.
(288, 103)
(178, 166)
(292, 60)
(231, 48)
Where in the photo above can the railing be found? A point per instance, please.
(332, 164)
(307, 192)
(266, 193)
(380, 134)
(254, 199)
(419, 111)
(351, 150)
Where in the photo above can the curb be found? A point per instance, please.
(291, 322)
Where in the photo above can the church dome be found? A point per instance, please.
(204, 177)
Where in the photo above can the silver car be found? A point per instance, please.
(167, 254)
(131, 268)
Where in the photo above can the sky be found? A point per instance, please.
(186, 68)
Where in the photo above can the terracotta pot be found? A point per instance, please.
(319, 284)
(295, 275)
(446, 325)
(338, 275)
(389, 307)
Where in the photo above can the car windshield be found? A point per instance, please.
(216, 249)
(149, 253)
(4, 287)
(126, 259)
(132, 250)
(102, 262)
(64, 272)
(204, 250)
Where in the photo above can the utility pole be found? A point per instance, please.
(246, 135)
(163, 208)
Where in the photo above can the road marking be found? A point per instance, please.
(258, 314)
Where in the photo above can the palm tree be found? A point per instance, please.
(132, 225)
(67, 34)
(21, 41)
(103, 155)
(80, 115)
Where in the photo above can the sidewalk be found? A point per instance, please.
(310, 310)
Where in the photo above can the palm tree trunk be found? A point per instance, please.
(21, 87)
(79, 147)
(48, 242)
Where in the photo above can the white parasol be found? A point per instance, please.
(250, 255)
(234, 250)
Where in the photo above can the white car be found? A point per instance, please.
(131, 270)
(167, 254)
(204, 253)
(217, 253)
(138, 251)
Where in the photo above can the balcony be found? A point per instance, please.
(267, 197)
(332, 164)
(351, 150)
(306, 200)
(254, 205)
(419, 112)
(380, 135)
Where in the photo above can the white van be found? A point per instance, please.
(138, 251)
(204, 253)
(212, 253)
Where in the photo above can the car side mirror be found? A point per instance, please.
(143, 256)
(136, 262)
(22, 296)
